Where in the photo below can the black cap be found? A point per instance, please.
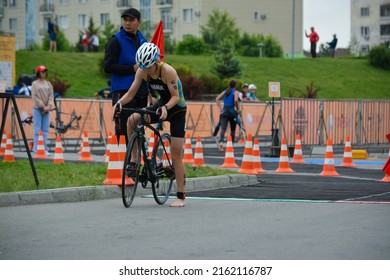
(132, 13)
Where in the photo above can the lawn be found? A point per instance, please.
(341, 78)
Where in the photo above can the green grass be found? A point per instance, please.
(341, 78)
(53, 176)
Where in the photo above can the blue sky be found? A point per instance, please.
(327, 17)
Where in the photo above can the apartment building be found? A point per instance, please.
(27, 19)
(370, 24)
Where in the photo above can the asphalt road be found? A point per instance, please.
(281, 217)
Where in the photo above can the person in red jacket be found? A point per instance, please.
(313, 37)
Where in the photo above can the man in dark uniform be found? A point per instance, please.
(120, 62)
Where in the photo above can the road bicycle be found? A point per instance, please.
(145, 167)
(59, 125)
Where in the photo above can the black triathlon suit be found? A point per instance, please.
(177, 114)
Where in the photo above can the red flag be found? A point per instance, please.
(158, 38)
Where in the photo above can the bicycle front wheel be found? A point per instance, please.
(131, 170)
(165, 174)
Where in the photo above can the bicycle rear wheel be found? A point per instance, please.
(164, 170)
(131, 168)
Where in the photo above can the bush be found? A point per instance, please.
(211, 82)
(379, 56)
(191, 46)
(59, 86)
(193, 87)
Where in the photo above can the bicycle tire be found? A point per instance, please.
(164, 182)
(128, 191)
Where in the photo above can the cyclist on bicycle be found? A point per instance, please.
(171, 106)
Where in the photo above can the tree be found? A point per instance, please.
(191, 45)
(91, 30)
(218, 28)
(226, 65)
(272, 48)
(108, 30)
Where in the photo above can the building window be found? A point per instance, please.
(82, 1)
(104, 18)
(64, 2)
(365, 11)
(188, 15)
(13, 24)
(365, 49)
(145, 10)
(385, 10)
(256, 16)
(63, 22)
(385, 29)
(12, 3)
(167, 19)
(365, 31)
(82, 21)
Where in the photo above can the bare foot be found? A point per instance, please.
(178, 203)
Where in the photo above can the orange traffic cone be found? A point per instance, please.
(298, 158)
(58, 152)
(122, 147)
(81, 144)
(229, 155)
(347, 157)
(3, 143)
(387, 176)
(247, 159)
(106, 154)
(41, 153)
(115, 167)
(284, 165)
(198, 157)
(167, 156)
(256, 156)
(85, 150)
(9, 150)
(187, 158)
(329, 167)
(110, 141)
(151, 144)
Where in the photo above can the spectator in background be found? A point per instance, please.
(94, 42)
(251, 94)
(243, 94)
(313, 37)
(120, 62)
(85, 41)
(43, 101)
(52, 30)
(332, 46)
(106, 92)
(229, 111)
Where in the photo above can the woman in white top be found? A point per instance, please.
(43, 101)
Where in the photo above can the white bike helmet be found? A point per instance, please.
(252, 86)
(147, 55)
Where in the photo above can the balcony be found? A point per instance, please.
(164, 4)
(47, 8)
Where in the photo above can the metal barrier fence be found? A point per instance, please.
(365, 121)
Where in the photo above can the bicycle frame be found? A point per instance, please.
(141, 124)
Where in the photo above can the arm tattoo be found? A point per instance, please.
(173, 82)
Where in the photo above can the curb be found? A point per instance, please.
(89, 193)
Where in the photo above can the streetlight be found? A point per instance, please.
(260, 45)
